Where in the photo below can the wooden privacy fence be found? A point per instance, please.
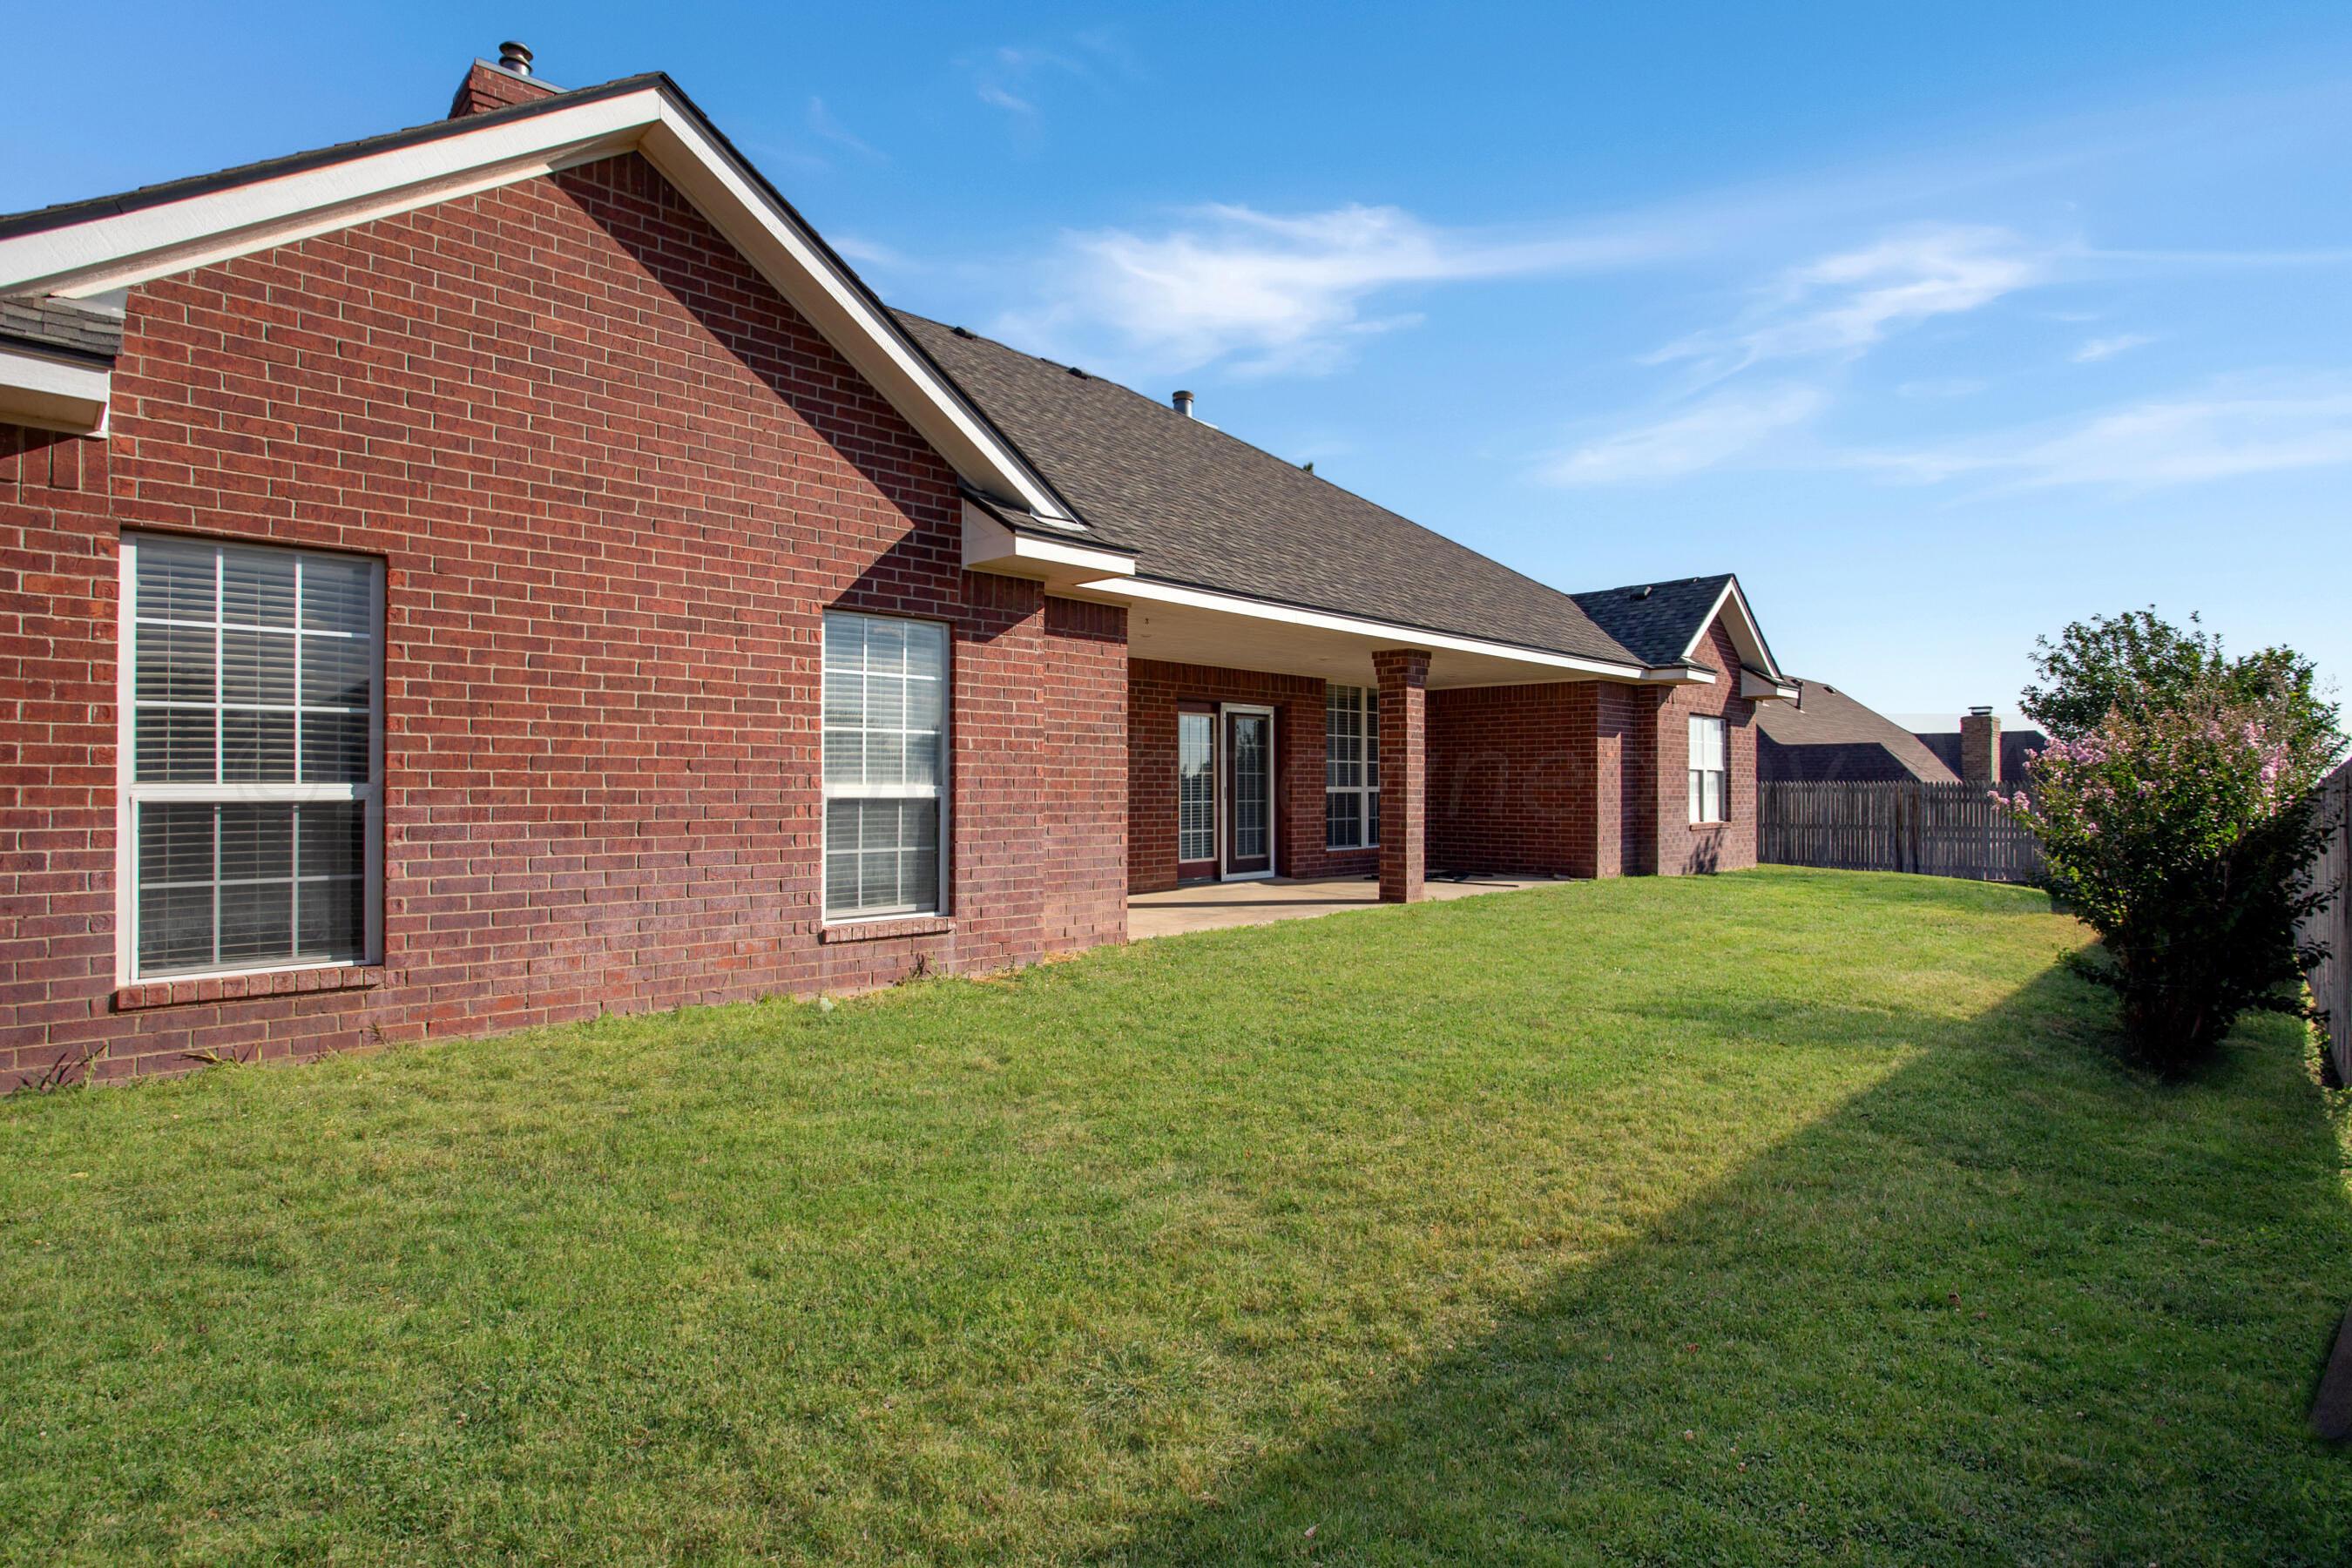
(2331, 928)
(1935, 829)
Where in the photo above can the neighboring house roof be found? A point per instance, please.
(1822, 716)
(2014, 745)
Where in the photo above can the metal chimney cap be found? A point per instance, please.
(1981, 712)
(515, 57)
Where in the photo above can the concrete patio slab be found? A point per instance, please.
(1212, 906)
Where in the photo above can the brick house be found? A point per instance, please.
(512, 569)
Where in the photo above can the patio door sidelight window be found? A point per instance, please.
(1351, 768)
(252, 761)
(1709, 772)
(886, 704)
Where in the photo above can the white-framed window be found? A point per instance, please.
(1710, 776)
(1196, 787)
(251, 761)
(886, 706)
(1351, 767)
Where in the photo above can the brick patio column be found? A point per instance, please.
(1404, 772)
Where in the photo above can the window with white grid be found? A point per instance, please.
(884, 765)
(252, 762)
(1709, 772)
(1351, 767)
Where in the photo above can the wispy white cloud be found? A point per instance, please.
(2096, 349)
(1274, 291)
(824, 122)
(1015, 77)
(1844, 303)
(2232, 429)
(1708, 434)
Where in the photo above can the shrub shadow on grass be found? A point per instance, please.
(1868, 1356)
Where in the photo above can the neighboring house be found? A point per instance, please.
(2017, 749)
(512, 570)
(1825, 736)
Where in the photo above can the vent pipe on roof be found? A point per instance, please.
(515, 57)
(1183, 402)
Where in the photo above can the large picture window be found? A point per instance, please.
(253, 759)
(1351, 768)
(884, 765)
(1709, 772)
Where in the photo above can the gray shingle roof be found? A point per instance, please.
(66, 326)
(1824, 716)
(1209, 511)
(1656, 620)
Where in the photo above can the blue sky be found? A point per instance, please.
(1940, 325)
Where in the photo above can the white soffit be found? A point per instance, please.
(115, 251)
(52, 393)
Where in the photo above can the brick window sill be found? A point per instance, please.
(236, 987)
(882, 931)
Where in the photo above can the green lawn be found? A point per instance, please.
(1776, 1216)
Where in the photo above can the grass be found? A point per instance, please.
(1782, 1216)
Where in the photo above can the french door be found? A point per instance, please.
(1224, 791)
(1249, 792)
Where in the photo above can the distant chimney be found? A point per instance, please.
(1182, 402)
(500, 86)
(1981, 747)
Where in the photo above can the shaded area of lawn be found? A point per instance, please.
(1431, 1232)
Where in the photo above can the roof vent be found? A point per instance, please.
(515, 57)
(1644, 592)
(961, 331)
(1082, 375)
(1183, 402)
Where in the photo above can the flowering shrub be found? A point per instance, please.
(2180, 834)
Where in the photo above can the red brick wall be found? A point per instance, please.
(1154, 689)
(1511, 785)
(1681, 847)
(486, 89)
(1534, 781)
(616, 481)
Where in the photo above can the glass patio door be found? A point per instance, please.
(1249, 793)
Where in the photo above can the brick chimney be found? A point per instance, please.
(1981, 747)
(488, 86)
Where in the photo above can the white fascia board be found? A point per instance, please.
(1388, 632)
(1765, 688)
(989, 546)
(1746, 635)
(123, 249)
(49, 392)
(127, 248)
(801, 271)
(1679, 675)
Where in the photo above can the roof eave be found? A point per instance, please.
(89, 247)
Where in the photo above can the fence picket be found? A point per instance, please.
(1937, 829)
(2331, 927)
